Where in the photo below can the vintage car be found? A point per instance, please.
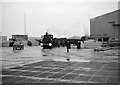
(18, 45)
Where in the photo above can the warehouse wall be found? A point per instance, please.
(21, 37)
(104, 24)
(119, 20)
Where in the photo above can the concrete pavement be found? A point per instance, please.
(62, 72)
(50, 66)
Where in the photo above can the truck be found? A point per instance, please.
(76, 42)
(47, 41)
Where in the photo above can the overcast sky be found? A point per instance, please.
(63, 18)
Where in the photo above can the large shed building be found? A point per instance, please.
(106, 25)
(21, 37)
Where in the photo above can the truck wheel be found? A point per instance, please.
(13, 48)
(94, 49)
(50, 47)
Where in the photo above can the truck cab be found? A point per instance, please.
(47, 41)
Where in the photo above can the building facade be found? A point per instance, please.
(3, 38)
(106, 25)
(21, 37)
(33, 38)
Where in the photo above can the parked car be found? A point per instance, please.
(18, 45)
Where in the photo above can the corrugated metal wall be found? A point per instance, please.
(104, 24)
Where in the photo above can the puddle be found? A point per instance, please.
(44, 55)
(72, 60)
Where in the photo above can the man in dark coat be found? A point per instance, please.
(68, 46)
(78, 44)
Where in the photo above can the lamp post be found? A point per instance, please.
(0, 36)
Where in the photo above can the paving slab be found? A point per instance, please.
(112, 80)
(19, 67)
(99, 79)
(31, 74)
(67, 71)
(56, 75)
(90, 72)
(20, 73)
(5, 78)
(78, 71)
(43, 81)
(56, 70)
(42, 75)
(70, 77)
(114, 73)
(27, 80)
(103, 73)
(83, 78)
(11, 79)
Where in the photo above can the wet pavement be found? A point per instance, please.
(34, 65)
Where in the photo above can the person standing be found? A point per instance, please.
(68, 45)
(78, 44)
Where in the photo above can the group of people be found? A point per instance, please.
(68, 45)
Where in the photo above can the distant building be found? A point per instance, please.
(3, 38)
(35, 41)
(33, 38)
(21, 37)
(3, 41)
(74, 37)
(106, 25)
